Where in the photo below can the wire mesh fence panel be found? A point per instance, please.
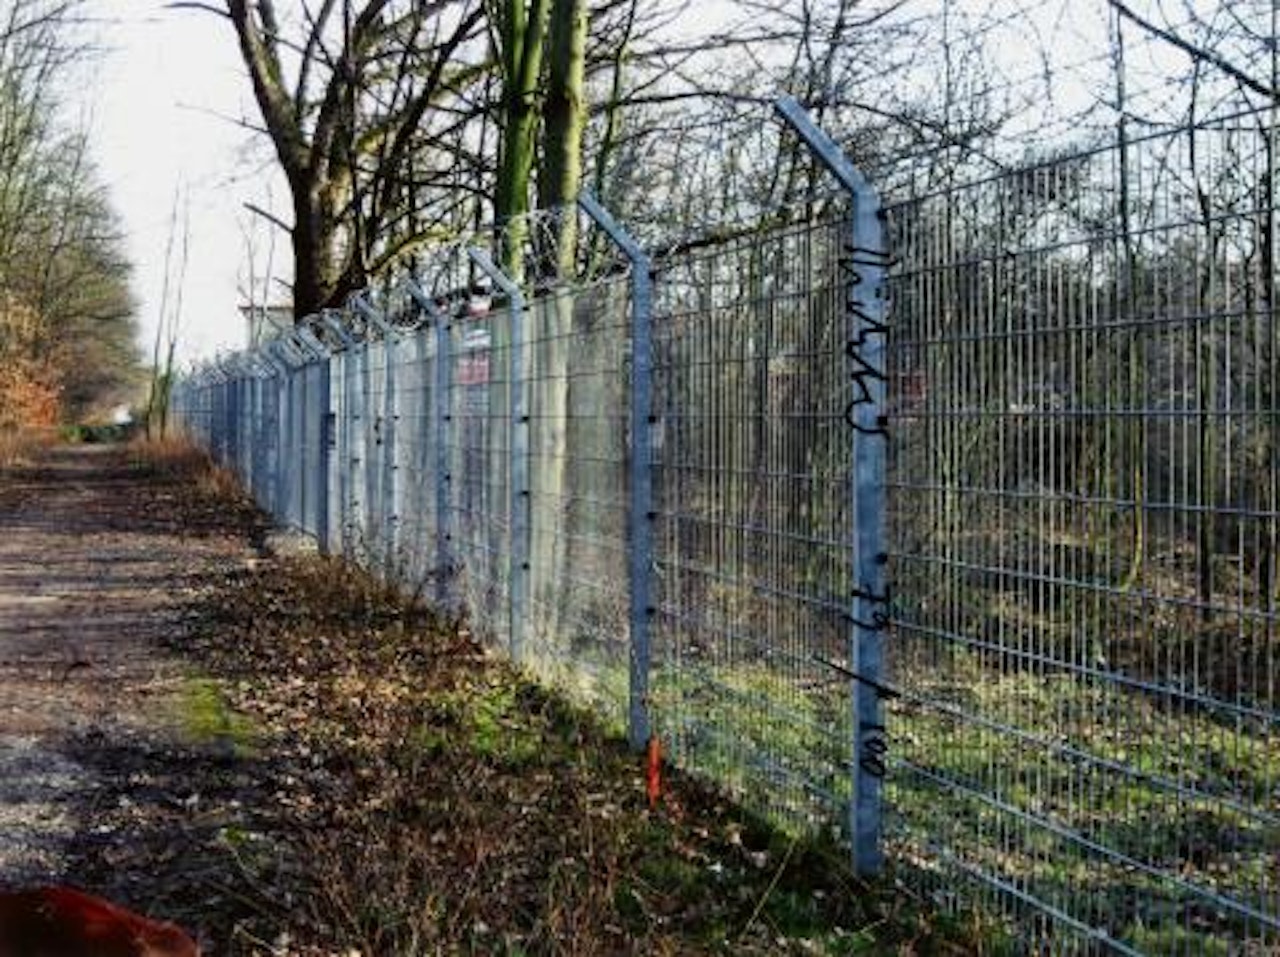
(479, 463)
(362, 407)
(313, 451)
(268, 441)
(295, 394)
(415, 465)
(351, 451)
(375, 525)
(217, 419)
(578, 635)
(258, 467)
(1084, 491)
(245, 450)
(752, 489)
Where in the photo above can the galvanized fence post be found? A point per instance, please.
(300, 406)
(336, 448)
(233, 417)
(518, 485)
(224, 417)
(440, 422)
(640, 471)
(324, 454)
(240, 459)
(284, 426)
(388, 492)
(271, 402)
(312, 415)
(444, 424)
(863, 267)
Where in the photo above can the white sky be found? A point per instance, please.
(163, 98)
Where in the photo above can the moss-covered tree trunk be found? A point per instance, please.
(521, 30)
(559, 179)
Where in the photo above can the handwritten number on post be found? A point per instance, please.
(874, 748)
(868, 379)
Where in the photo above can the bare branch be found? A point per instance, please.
(195, 5)
(268, 216)
(1197, 53)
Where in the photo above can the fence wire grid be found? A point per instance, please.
(658, 488)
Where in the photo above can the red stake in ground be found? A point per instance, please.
(653, 771)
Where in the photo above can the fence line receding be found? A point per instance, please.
(660, 486)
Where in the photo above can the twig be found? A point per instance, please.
(269, 217)
(773, 882)
(259, 907)
(1197, 53)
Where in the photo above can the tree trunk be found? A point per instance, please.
(564, 118)
(522, 33)
(559, 179)
(319, 277)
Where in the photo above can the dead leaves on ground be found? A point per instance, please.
(403, 791)
(435, 800)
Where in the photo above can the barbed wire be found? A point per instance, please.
(1050, 103)
(447, 280)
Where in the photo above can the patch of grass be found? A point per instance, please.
(455, 805)
(1113, 768)
(177, 457)
(1094, 760)
(208, 720)
(1176, 940)
(96, 433)
(784, 754)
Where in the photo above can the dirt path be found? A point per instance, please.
(287, 759)
(98, 568)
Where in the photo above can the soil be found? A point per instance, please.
(101, 564)
(286, 757)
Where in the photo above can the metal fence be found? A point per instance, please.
(1007, 548)
(1084, 525)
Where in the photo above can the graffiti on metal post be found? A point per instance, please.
(865, 371)
(865, 354)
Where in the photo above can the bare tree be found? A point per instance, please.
(169, 322)
(66, 318)
(353, 97)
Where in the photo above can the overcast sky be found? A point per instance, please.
(165, 93)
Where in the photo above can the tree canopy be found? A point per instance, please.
(67, 346)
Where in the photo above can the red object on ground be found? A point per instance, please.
(61, 922)
(653, 772)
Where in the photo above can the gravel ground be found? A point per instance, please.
(97, 576)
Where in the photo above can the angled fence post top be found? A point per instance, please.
(265, 369)
(305, 351)
(491, 269)
(269, 355)
(287, 352)
(312, 341)
(429, 306)
(362, 306)
(613, 229)
(822, 145)
(335, 325)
